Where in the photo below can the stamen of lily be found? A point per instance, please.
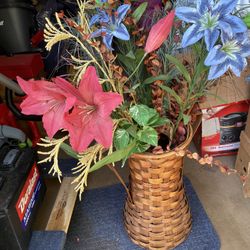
(230, 48)
(209, 21)
(87, 109)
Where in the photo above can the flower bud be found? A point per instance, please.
(159, 32)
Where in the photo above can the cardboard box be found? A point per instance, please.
(242, 164)
(224, 116)
(247, 129)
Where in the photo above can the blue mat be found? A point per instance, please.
(97, 223)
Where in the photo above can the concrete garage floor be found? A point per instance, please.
(221, 196)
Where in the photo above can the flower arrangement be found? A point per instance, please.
(134, 88)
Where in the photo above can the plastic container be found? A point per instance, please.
(17, 22)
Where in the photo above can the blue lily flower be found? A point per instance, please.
(111, 25)
(230, 55)
(208, 19)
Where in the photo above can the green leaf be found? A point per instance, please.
(173, 93)
(114, 157)
(199, 70)
(139, 54)
(148, 135)
(132, 130)
(152, 79)
(134, 87)
(139, 11)
(121, 138)
(159, 122)
(126, 61)
(142, 114)
(186, 119)
(141, 147)
(181, 68)
(130, 55)
(132, 59)
(246, 20)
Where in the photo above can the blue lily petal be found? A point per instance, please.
(111, 25)
(225, 36)
(226, 28)
(98, 32)
(238, 65)
(94, 19)
(102, 16)
(245, 50)
(212, 17)
(187, 14)
(234, 49)
(121, 32)
(107, 40)
(122, 11)
(217, 70)
(203, 5)
(215, 56)
(236, 23)
(242, 37)
(211, 36)
(192, 35)
(225, 7)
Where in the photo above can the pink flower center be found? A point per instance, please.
(87, 109)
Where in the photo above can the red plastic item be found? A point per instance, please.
(24, 65)
(37, 38)
(36, 135)
(7, 118)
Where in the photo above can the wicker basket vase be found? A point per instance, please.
(157, 216)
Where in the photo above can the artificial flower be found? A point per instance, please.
(208, 19)
(90, 119)
(159, 32)
(111, 25)
(230, 55)
(50, 99)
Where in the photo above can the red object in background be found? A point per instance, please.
(7, 118)
(24, 65)
(37, 38)
(219, 132)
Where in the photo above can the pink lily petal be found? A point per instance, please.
(39, 89)
(31, 106)
(69, 103)
(89, 85)
(50, 100)
(77, 116)
(159, 32)
(90, 118)
(103, 131)
(53, 120)
(107, 102)
(79, 137)
(66, 87)
(32, 85)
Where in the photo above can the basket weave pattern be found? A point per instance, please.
(158, 216)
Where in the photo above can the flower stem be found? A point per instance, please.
(68, 150)
(137, 67)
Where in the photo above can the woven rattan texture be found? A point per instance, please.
(158, 216)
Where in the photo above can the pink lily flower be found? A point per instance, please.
(159, 32)
(90, 119)
(49, 99)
